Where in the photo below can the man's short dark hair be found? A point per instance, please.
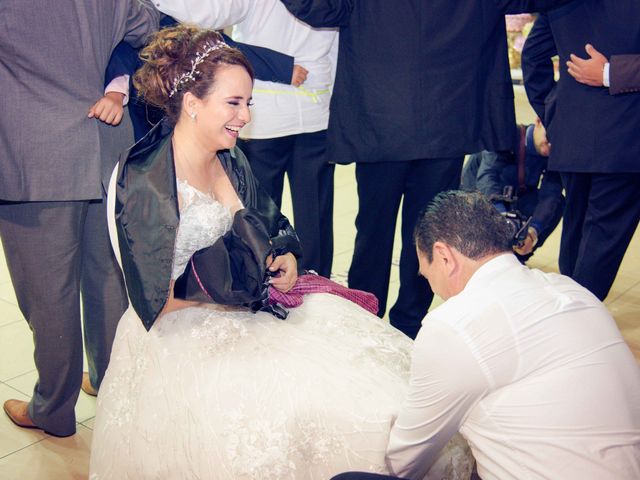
(466, 221)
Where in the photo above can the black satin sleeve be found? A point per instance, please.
(232, 271)
(284, 238)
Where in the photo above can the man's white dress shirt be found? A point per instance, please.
(279, 110)
(533, 371)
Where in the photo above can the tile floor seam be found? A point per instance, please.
(610, 303)
(12, 323)
(14, 388)
(46, 437)
(17, 376)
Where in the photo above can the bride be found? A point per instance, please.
(197, 389)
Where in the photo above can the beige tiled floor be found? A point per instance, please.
(31, 454)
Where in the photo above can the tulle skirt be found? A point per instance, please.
(212, 393)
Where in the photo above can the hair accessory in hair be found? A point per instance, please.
(190, 76)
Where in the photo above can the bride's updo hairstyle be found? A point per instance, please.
(183, 59)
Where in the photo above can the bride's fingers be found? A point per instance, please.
(269, 261)
(285, 281)
(286, 266)
(280, 284)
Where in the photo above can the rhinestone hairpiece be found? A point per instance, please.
(190, 76)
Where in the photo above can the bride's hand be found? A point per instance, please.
(287, 267)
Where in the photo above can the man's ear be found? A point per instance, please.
(445, 254)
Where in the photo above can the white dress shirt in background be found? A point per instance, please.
(279, 110)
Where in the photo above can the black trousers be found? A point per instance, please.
(56, 252)
(381, 187)
(600, 218)
(303, 158)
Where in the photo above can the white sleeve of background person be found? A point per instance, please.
(213, 14)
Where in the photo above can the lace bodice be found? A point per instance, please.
(202, 221)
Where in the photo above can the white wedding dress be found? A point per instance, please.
(222, 393)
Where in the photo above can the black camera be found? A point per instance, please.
(518, 222)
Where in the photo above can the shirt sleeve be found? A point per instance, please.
(321, 13)
(605, 75)
(537, 67)
(489, 178)
(446, 382)
(624, 74)
(142, 21)
(550, 203)
(120, 85)
(214, 14)
(268, 64)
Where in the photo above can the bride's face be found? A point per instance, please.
(225, 110)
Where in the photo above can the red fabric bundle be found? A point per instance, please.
(310, 283)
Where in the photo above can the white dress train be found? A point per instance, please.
(222, 393)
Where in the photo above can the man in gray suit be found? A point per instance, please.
(55, 161)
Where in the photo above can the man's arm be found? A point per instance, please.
(142, 21)
(489, 178)
(321, 13)
(550, 201)
(268, 64)
(214, 14)
(624, 74)
(537, 66)
(123, 61)
(526, 6)
(446, 382)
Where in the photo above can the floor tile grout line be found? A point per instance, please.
(610, 303)
(14, 388)
(17, 376)
(11, 323)
(26, 446)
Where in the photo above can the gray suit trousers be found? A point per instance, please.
(56, 252)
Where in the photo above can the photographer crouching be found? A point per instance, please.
(520, 186)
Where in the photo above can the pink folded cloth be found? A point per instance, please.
(310, 283)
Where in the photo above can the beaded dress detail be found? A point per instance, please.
(217, 393)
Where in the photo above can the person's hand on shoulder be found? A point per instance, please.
(286, 267)
(108, 109)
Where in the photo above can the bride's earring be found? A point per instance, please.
(193, 115)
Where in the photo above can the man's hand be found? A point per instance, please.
(299, 75)
(287, 268)
(588, 71)
(529, 243)
(108, 109)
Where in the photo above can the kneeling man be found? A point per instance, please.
(528, 366)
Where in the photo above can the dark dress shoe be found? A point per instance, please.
(86, 385)
(18, 413)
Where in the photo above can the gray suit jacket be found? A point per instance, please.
(52, 64)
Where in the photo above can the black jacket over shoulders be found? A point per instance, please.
(147, 217)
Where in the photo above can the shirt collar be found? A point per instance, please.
(492, 268)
